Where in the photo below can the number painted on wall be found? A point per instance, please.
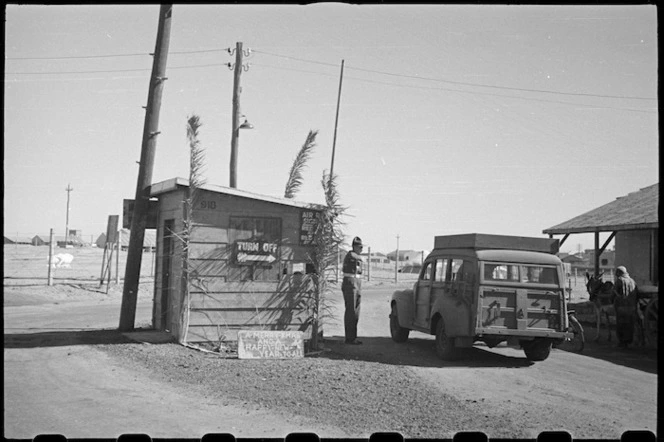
(210, 205)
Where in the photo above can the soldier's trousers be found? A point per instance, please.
(351, 288)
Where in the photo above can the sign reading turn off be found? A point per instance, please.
(268, 344)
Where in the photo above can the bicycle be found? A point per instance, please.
(578, 340)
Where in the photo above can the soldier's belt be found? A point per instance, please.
(351, 275)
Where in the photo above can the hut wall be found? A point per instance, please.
(636, 250)
(226, 296)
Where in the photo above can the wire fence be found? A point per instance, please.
(23, 263)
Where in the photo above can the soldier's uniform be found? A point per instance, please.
(351, 287)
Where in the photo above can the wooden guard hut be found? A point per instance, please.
(248, 257)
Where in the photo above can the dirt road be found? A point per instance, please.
(63, 375)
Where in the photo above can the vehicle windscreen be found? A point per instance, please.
(520, 273)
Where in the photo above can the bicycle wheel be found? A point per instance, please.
(577, 343)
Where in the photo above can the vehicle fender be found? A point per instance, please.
(455, 315)
(404, 299)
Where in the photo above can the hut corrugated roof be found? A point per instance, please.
(634, 211)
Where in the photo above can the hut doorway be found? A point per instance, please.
(166, 272)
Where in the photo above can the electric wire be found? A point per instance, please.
(304, 61)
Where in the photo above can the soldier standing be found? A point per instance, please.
(351, 288)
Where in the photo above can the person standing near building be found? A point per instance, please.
(625, 306)
(351, 287)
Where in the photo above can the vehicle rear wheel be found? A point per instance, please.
(445, 347)
(537, 350)
(399, 334)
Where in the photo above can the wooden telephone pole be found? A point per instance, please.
(141, 204)
(236, 114)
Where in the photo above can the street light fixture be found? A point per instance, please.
(246, 124)
(234, 146)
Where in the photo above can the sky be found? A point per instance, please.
(452, 118)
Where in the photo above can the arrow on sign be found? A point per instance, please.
(243, 257)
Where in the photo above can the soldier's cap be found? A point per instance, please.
(357, 241)
(621, 269)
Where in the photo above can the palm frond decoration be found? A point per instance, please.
(295, 177)
(328, 235)
(196, 181)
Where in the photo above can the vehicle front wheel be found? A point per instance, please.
(445, 347)
(537, 350)
(399, 334)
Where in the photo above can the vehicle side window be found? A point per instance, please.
(426, 272)
(457, 271)
(441, 270)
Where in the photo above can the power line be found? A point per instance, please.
(416, 77)
(115, 70)
(84, 57)
(459, 82)
(457, 90)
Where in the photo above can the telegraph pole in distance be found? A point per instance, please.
(141, 203)
(236, 114)
(68, 189)
(396, 263)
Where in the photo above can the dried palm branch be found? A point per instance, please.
(196, 180)
(295, 177)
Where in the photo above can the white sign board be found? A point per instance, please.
(268, 344)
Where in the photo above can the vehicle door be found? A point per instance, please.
(423, 294)
(461, 287)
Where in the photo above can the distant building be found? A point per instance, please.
(376, 258)
(149, 240)
(18, 240)
(409, 256)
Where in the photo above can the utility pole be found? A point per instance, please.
(68, 189)
(141, 203)
(336, 120)
(236, 114)
(396, 263)
(50, 258)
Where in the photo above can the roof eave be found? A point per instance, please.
(593, 229)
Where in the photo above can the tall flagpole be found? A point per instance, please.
(336, 121)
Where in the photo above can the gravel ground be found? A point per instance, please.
(357, 396)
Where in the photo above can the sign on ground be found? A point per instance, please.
(268, 344)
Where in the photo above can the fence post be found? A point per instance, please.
(118, 245)
(50, 259)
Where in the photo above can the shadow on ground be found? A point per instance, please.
(415, 352)
(83, 337)
(635, 356)
(421, 353)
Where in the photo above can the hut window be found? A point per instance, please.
(263, 264)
